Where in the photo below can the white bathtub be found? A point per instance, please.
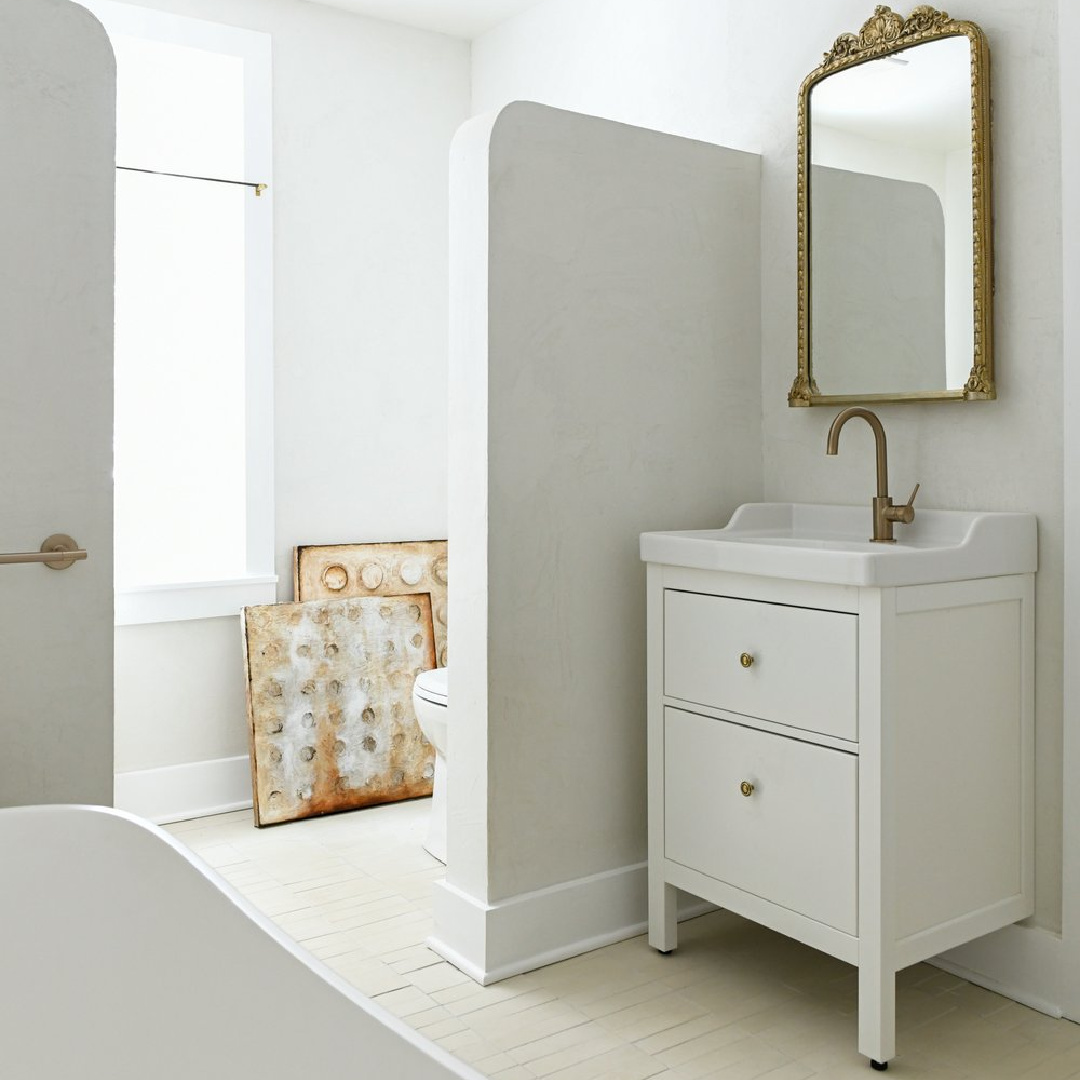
(122, 957)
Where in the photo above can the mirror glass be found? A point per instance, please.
(888, 248)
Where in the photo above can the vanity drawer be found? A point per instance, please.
(803, 663)
(793, 840)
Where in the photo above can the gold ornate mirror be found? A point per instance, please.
(894, 217)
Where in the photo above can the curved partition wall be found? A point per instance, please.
(58, 131)
(604, 379)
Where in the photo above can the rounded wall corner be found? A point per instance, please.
(481, 129)
(474, 133)
(96, 28)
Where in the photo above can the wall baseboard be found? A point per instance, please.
(178, 792)
(1023, 963)
(490, 942)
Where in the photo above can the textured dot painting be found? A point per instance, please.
(340, 570)
(330, 710)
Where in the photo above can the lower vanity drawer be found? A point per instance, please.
(792, 840)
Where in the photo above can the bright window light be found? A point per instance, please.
(180, 395)
(179, 108)
(194, 293)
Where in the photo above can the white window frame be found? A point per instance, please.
(168, 602)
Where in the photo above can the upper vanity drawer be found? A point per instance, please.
(795, 666)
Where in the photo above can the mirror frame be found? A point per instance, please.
(883, 33)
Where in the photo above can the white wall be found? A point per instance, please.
(707, 70)
(364, 112)
(163, 669)
(615, 281)
(57, 134)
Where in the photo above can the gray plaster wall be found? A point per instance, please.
(623, 396)
(877, 284)
(57, 137)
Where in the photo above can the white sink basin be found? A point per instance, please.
(831, 544)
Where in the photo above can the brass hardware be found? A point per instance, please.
(905, 514)
(884, 33)
(58, 552)
(746, 788)
(885, 514)
(259, 189)
(746, 659)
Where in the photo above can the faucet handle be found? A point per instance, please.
(905, 514)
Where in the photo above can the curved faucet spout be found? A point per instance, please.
(832, 445)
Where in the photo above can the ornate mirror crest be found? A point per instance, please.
(882, 35)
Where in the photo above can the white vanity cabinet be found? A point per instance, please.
(849, 765)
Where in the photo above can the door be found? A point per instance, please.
(57, 152)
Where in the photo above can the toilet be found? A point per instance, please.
(429, 703)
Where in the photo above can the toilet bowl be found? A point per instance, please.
(429, 703)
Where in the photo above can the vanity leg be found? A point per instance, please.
(877, 1013)
(663, 909)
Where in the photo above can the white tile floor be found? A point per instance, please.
(735, 1001)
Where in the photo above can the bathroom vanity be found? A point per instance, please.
(840, 733)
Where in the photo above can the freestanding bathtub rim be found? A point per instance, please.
(38, 823)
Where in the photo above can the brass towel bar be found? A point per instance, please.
(58, 552)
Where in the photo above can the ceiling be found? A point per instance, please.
(460, 18)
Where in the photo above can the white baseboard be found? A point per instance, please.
(1021, 962)
(179, 792)
(490, 942)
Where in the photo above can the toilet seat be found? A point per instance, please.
(431, 686)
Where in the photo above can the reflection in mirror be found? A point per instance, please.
(890, 257)
(890, 219)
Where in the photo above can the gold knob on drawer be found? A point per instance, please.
(746, 788)
(746, 660)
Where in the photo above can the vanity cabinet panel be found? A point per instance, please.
(792, 665)
(801, 811)
(883, 851)
(975, 777)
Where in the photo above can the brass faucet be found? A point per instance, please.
(885, 514)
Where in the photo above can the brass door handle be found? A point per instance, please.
(746, 659)
(746, 788)
(58, 552)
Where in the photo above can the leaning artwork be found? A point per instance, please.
(329, 688)
(382, 569)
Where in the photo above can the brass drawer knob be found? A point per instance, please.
(746, 659)
(746, 788)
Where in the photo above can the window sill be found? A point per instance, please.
(141, 604)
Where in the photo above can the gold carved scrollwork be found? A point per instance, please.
(979, 382)
(883, 33)
(800, 392)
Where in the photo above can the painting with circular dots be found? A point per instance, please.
(330, 713)
(338, 570)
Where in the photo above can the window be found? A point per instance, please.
(194, 376)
